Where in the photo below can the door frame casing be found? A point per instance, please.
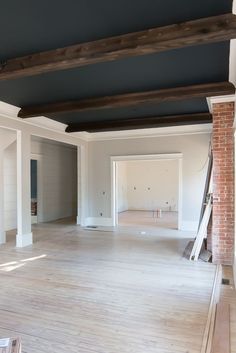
(145, 157)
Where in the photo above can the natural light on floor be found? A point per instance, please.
(11, 266)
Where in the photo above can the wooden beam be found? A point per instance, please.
(130, 99)
(140, 123)
(201, 31)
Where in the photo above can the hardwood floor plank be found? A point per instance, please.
(104, 292)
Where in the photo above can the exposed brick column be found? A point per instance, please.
(223, 183)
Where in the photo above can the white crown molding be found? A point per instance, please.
(153, 132)
(12, 111)
(8, 111)
(220, 99)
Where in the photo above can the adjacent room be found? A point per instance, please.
(148, 193)
(117, 176)
(53, 181)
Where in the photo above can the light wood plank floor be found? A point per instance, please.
(86, 291)
(228, 295)
(148, 219)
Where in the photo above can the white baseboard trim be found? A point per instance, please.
(190, 226)
(2, 238)
(98, 221)
(23, 240)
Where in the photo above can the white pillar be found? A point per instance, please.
(2, 227)
(24, 236)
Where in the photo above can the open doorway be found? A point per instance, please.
(34, 190)
(147, 191)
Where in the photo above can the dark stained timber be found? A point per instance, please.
(131, 99)
(202, 31)
(140, 123)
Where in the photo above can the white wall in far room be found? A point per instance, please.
(152, 185)
(58, 184)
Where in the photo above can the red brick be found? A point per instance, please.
(221, 229)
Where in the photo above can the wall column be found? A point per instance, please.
(223, 183)
(2, 227)
(24, 236)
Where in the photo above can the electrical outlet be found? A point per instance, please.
(101, 214)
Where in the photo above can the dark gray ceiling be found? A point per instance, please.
(30, 26)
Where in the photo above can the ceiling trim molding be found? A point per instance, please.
(148, 133)
(221, 99)
(9, 111)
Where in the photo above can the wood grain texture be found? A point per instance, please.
(104, 292)
(221, 338)
(201, 31)
(228, 296)
(131, 99)
(140, 123)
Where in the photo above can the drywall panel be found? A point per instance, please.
(6, 138)
(122, 187)
(58, 181)
(152, 185)
(193, 147)
(10, 188)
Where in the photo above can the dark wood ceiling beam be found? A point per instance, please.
(130, 99)
(140, 123)
(196, 32)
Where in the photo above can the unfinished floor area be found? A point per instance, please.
(95, 291)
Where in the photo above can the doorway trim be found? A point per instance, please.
(145, 157)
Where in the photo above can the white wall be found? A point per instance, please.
(122, 187)
(58, 184)
(6, 137)
(194, 148)
(152, 185)
(10, 189)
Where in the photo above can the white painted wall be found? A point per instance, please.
(152, 185)
(6, 137)
(194, 148)
(10, 187)
(58, 184)
(122, 187)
